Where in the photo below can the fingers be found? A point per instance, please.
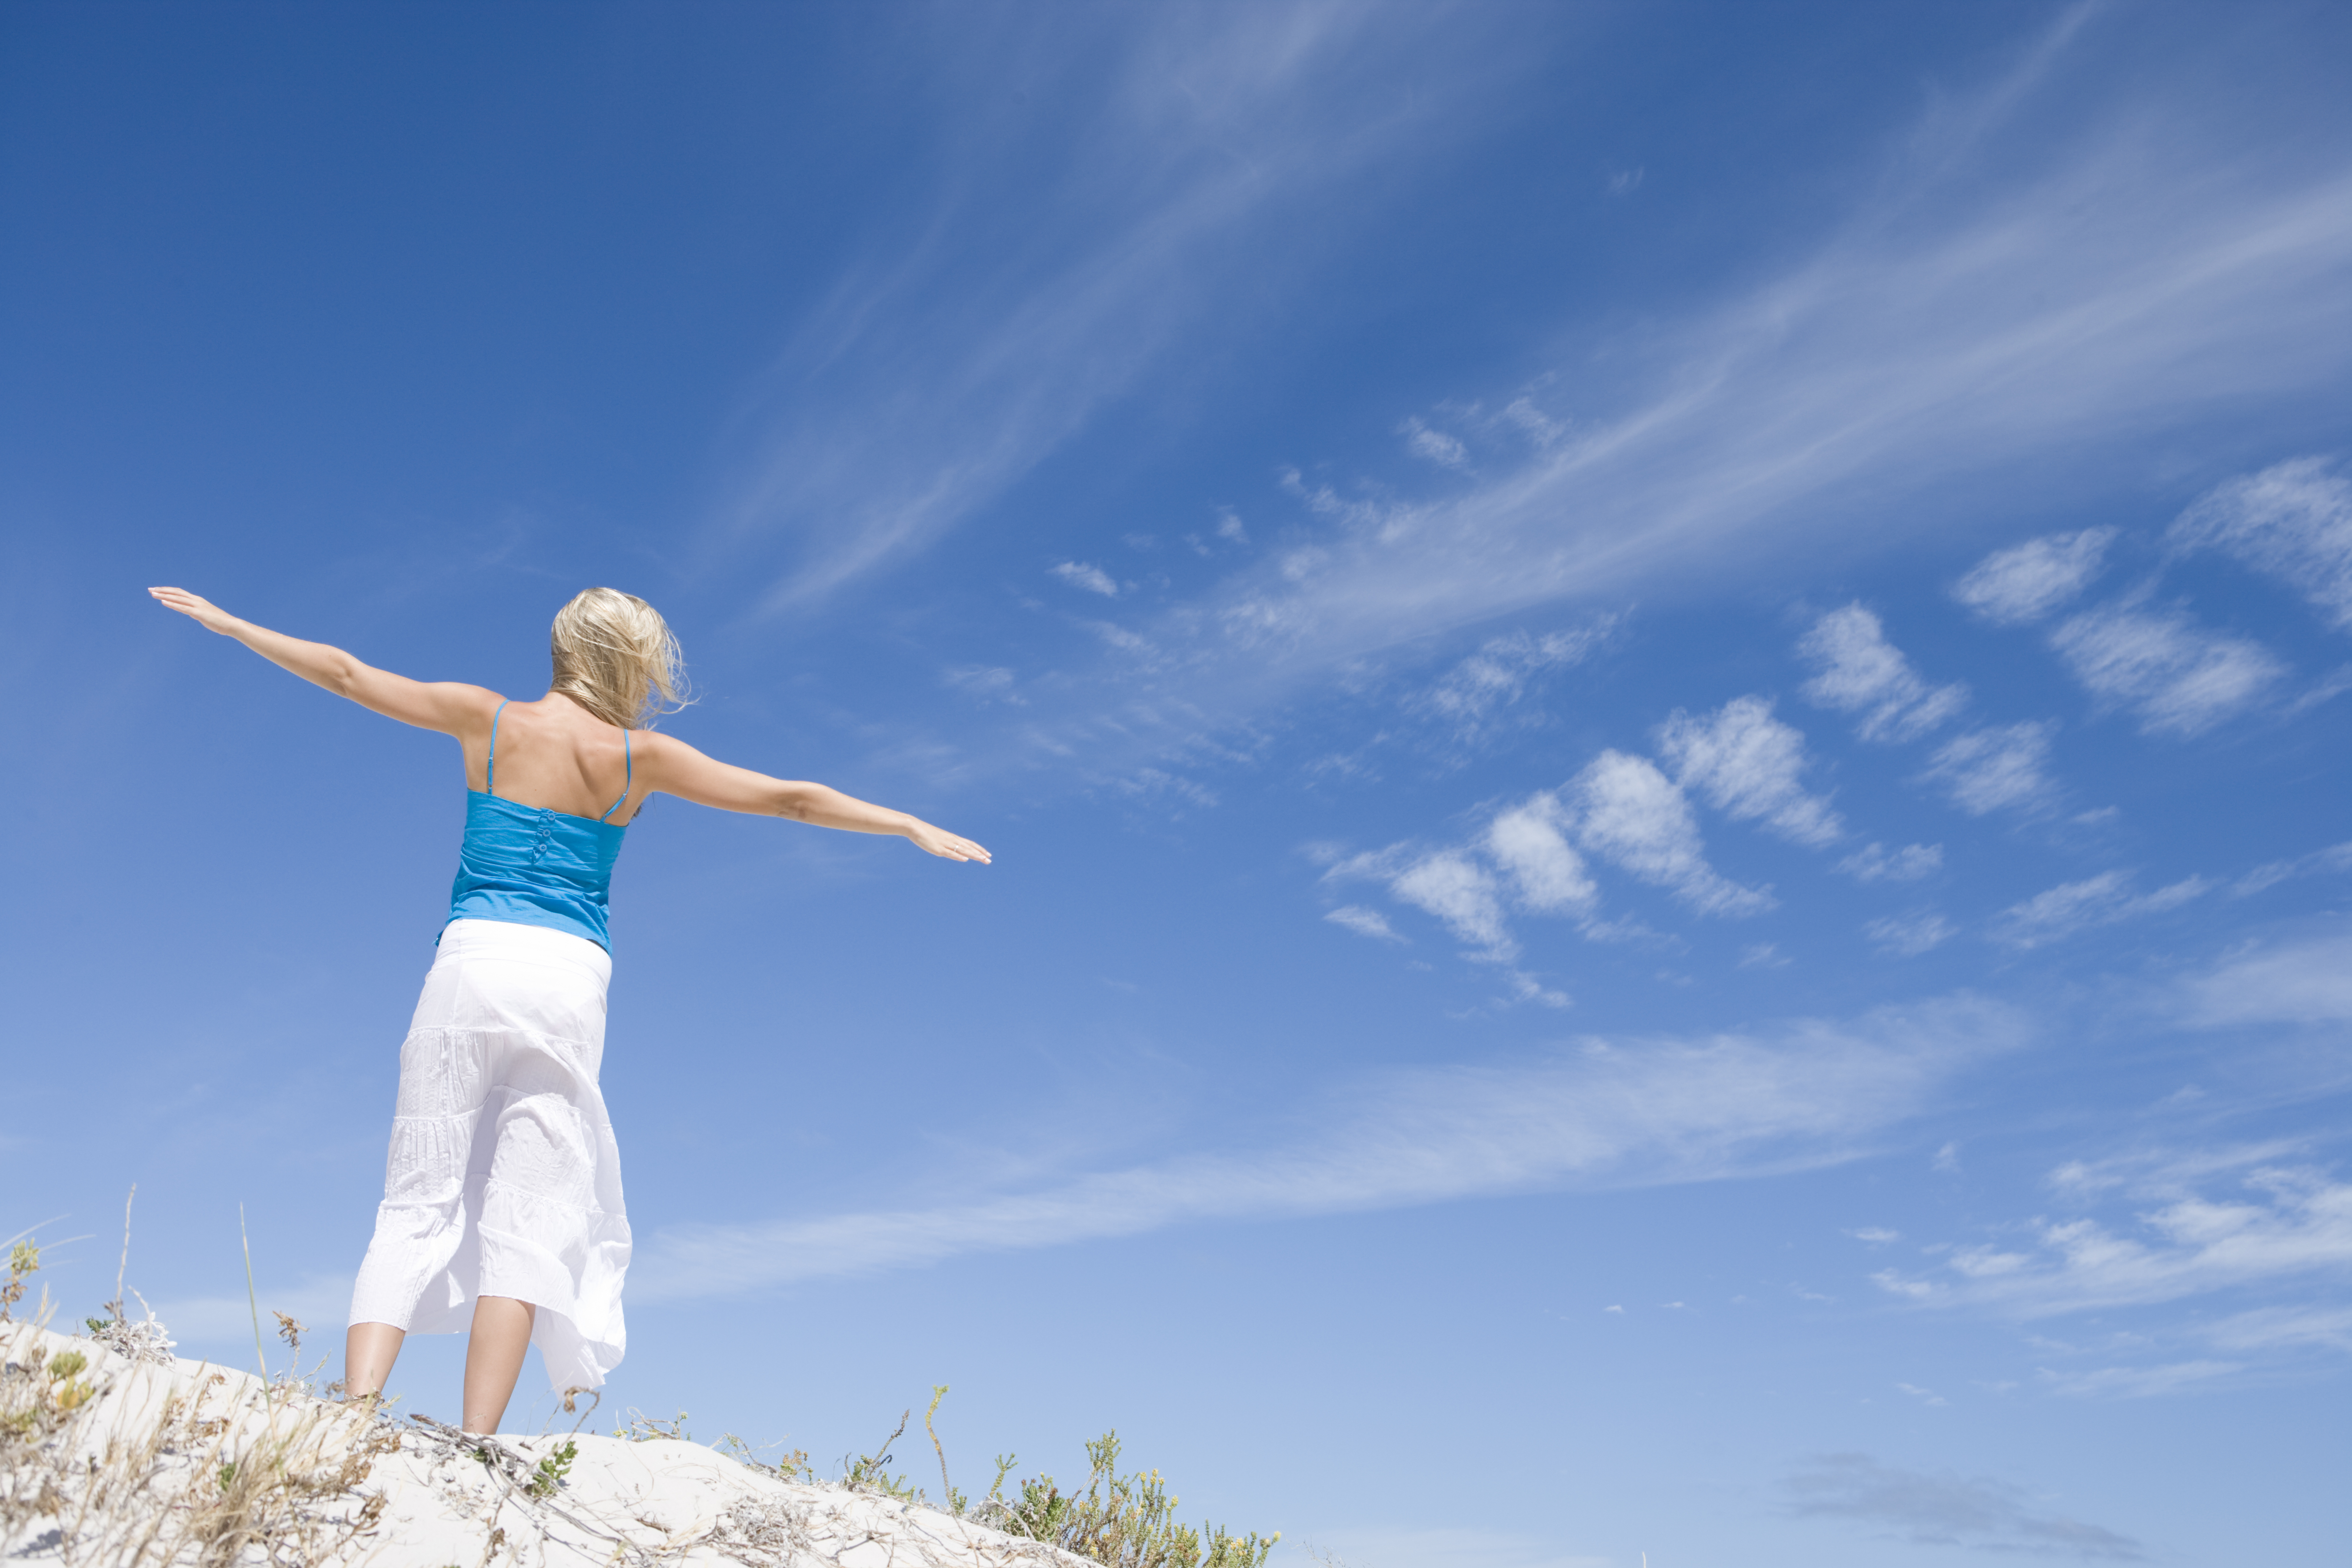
(948, 846)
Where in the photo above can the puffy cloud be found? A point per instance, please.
(2292, 520)
(1530, 841)
(2180, 677)
(1461, 893)
(2028, 581)
(1908, 864)
(1862, 672)
(2098, 900)
(1748, 764)
(1986, 769)
(1093, 579)
(1631, 813)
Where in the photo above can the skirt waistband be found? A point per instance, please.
(533, 944)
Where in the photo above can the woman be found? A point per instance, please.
(503, 1186)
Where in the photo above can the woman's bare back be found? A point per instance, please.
(554, 754)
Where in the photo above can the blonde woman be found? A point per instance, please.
(502, 1209)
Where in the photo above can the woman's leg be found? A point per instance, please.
(369, 1351)
(494, 1358)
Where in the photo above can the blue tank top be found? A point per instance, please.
(528, 865)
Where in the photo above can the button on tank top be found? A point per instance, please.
(528, 865)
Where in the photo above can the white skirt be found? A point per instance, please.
(504, 1179)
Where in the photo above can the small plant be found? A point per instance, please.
(641, 1428)
(786, 1467)
(23, 1261)
(552, 1470)
(867, 1470)
(67, 1389)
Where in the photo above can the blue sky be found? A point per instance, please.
(1654, 689)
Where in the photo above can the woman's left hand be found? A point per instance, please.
(202, 611)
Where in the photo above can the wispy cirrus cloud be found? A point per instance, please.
(1928, 340)
(1475, 696)
(1093, 579)
(2271, 1222)
(957, 354)
(1908, 936)
(1602, 1113)
(1873, 863)
(2101, 900)
(2307, 981)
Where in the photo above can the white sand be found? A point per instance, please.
(146, 1500)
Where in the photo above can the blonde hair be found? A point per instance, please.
(616, 656)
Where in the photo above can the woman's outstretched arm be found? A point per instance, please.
(448, 706)
(673, 767)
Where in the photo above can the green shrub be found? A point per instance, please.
(1121, 1521)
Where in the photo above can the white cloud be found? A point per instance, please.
(1436, 446)
(2284, 1328)
(2292, 520)
(1747, 764)
(1500, 672)
(1461, 893)
(2306, 982)
(1875, 1235)
(984, 681)
(1962, 327)
(2280, 1224)
(2180, 677)
(964, 342)
(1862, 672)
(2028, 581)
(1093, 579)
(2141, 1381)
(2071, 907)
(1526, 988)
(2335, 857)
(1529, 842)
(1606, 1114)
(1363, 922)
(1987, 770)
(1941, 1508)
(1908, 936)
(1908, 864)
(1631, 813)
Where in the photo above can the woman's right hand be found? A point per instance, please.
(202, 611)
(945, 844)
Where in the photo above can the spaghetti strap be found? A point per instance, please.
(491, 767)
(629, 760)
